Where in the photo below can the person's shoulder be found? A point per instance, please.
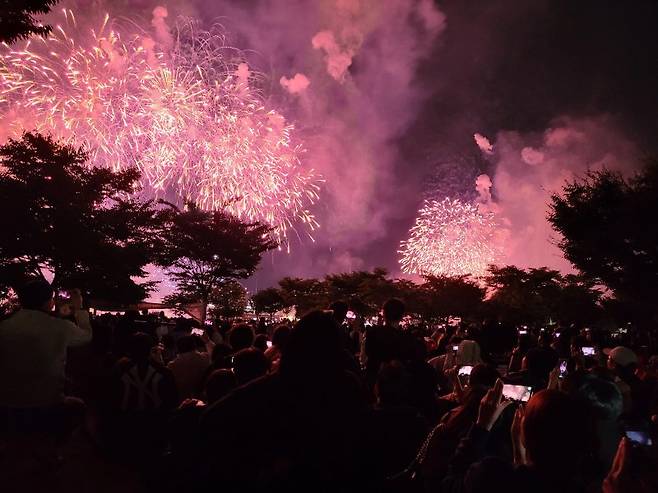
(8, 316)
(372, 329)
(162, 369)
(244, 397)
(8, 319)
(381, 330)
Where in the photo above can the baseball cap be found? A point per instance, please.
(621, 355)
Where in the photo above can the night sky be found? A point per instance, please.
(510, 65)
(387, 95)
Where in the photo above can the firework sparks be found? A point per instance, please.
(186, 117)
(449, 238)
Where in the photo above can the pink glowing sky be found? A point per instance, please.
(496, 101)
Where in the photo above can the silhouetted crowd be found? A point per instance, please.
(332, 402)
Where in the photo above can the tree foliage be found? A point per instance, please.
(17, 19)
(446, 296)
(304, 294)
(539, 296)
(204, 249)
(268, 301)
(228, 300)
(610, 233)
(73, 220)
(364, 291)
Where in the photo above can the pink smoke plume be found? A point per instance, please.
(295, 85)
(483, 143)
(360, 59)
(337, 58)
(159, 23)
(530, 167)
(483, 188)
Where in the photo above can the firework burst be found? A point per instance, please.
(186, 116)
(450, 238)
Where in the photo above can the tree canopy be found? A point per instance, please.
(17, 18)
(268, 301)
(539, 296)
(458, 296)
(303, 294)
(610, 233)
(204, 249)
(228, 300)
(75, 221)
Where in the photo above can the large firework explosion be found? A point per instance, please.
(184, 112)
(450, 238)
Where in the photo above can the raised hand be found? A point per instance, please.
(491, 406)
(516, 432)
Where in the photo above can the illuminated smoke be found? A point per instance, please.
(528, 167)
(297, 84)
(483, 143)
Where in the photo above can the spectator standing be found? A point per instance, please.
(189, 367)
(33, 345)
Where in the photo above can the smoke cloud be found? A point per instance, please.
(529, 167)
(159, 23)
(483, 143)
(396, 100)
(354, 93)
(297, 84)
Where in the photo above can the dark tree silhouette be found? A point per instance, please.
(538, 296)
(204, 249)
(452, 296)
(76, 221)
(365, 291)
(228, 300)
(268, 301)
(17, 18)
(610, 233)
(303, 294)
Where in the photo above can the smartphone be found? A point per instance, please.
(198, 332)
(464, 375)
(519, 393)
(588, 351)
(269, 343)
(523, 332)
(639, 437)
(563, 368)
(455, 348)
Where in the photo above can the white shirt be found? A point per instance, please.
(33, 355)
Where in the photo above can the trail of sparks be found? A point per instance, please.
(450, 238)
(185, 116)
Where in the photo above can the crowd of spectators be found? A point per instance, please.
(331, 403)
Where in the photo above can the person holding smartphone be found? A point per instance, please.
(384, 343)
(33, 348)
(550, 439)
(623, 361)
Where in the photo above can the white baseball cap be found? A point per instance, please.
(621, 355)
